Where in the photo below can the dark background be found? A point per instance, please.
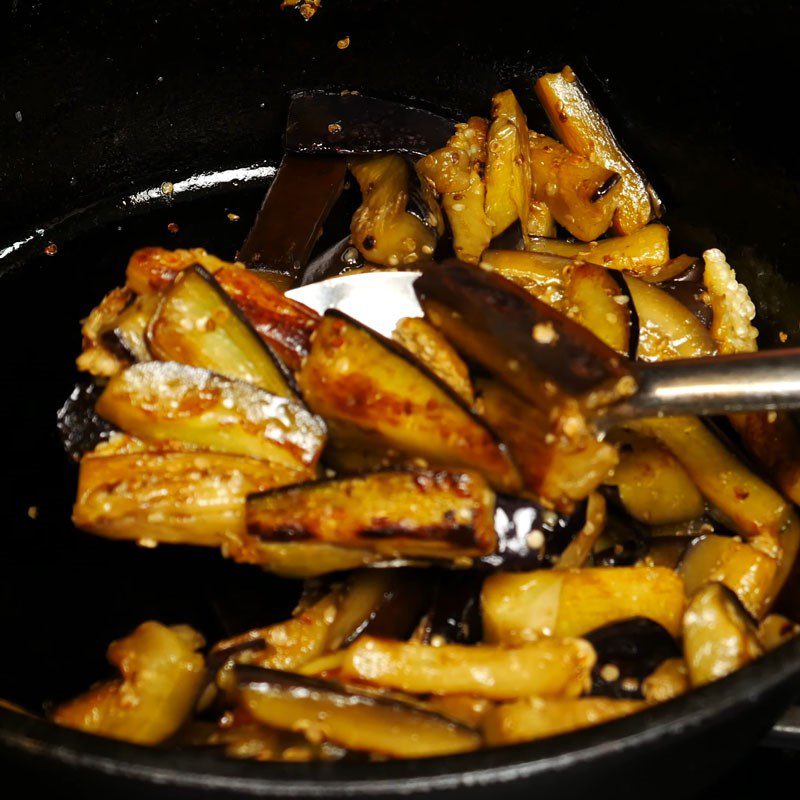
(119, 97)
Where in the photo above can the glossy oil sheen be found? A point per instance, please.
(121, 98)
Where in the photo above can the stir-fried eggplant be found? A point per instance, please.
(179, 497)
(538, 352)
(509, 183)
(383, 229)
(284, 324)
(457, 173)
(593, 297)
(371, 392)
(97, 358)
(127, 335)
(719, 636)
(161, 676)
(163, 401)
(548, 667)
(644, 252)
(482, 566)
(154, 269)
(667, 329)
(349, 717)
(559, 461)
(653, 487)
(537, 717)
(197, 324)
(290, 220)
(747, 572)
(443, 515)
(755, 508)
(627, 653)
(520, 607)
(580, 194)
(582, 128)
(80, 428)
(429, 346)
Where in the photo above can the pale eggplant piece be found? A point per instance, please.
(374, 395)
(454, 616)
(627, 652)
(521, 340)
(163, 400)
(284, 324)
(80, 427)
(197, 324)
(579, 124)
(161, 676)
(349, 717)
(354, 124)
(127, 336)
(289, 222)
(666, 551)
(395, 224)
(186, 497)
(404, 514)
(719, 636)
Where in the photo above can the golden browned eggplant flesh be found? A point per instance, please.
(480, 568)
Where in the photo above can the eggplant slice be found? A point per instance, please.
(373, 394)
(350, 717)
(199, 325)
(443, 515)
(521, 340)
(163, 401)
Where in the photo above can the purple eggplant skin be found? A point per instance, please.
(454, 615)
(354, 124)
(631, 538)
(635, 647)
(530, 536)
(297, 203)
(500, 316)
(79, 427)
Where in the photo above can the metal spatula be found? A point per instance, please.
(768, 380)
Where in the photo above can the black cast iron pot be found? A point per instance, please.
(101, 103)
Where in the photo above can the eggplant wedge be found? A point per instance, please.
(457, 173)
(349, 717)
(197, 324)
(560, 465)
(521, 607)
(162, 401)
(747, 572)
(538, 273)
(161, 677)
(383, 229)
(546, 357)
(127, 336)
(667, 328)
(537, 718)
(644, 253)
(369, 390)
(581, 195)
(96, 357)
(547, 667)
(397, 514)
(582, 128)
(428, 345)
(719, 636)
(152, 270)
(177, 497)
(284, 324)
(509, 184)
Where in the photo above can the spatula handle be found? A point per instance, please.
(765, 381)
